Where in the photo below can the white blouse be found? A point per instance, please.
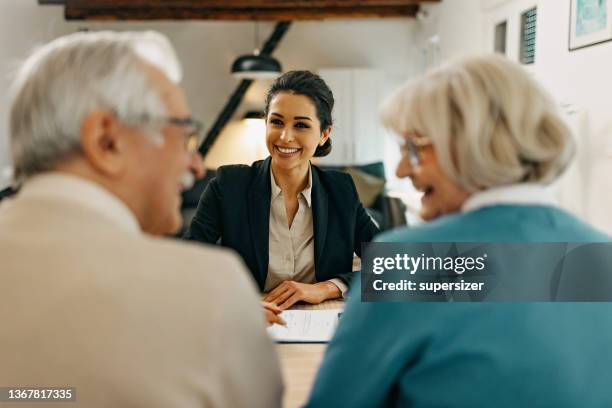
(292, 249)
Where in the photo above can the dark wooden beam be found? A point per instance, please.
(240, 14)
(238, 9)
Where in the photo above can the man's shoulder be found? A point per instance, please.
(192, 275)
(188, 256)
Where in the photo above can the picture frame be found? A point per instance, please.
(590, 23)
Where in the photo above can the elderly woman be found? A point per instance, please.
(480, 140)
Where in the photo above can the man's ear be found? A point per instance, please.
(325, 136)
(103, 145)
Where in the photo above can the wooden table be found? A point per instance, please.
(300, 362)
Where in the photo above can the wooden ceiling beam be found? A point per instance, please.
(238, 9)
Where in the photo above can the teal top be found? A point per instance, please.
(473, 354)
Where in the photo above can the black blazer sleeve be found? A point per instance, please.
(365, 228)
(206, 225)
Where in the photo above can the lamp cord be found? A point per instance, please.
(256, 52)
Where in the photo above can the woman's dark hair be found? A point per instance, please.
(312, 86)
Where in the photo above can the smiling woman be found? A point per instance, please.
(495, 140)
(295, 225)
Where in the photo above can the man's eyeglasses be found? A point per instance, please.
(193, 132)
(412, 144)
(193, 128)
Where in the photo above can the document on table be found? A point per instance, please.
(306, 326)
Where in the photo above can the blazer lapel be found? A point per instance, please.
(259, 218)
(319, 215)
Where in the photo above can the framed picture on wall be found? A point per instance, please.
(590, 23)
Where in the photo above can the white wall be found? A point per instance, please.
(22, 26)
(207, 49)
(579, 80)
(447, 30)
(458, 25)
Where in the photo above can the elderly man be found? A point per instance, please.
(103, 143)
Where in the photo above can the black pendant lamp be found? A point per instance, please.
(256, 65)
(253, 115)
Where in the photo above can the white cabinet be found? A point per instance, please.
(357, 136)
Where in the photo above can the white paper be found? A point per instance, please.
(306, 326)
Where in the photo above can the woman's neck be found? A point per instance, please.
(291, 181)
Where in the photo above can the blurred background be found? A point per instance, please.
(363, 53)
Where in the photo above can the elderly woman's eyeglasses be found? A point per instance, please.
(412, 145)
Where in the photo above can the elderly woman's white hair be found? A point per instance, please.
(490, 123)
(71, 76)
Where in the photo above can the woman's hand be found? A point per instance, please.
(288, 293)
(272, 314)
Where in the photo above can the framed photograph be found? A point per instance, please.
(590, 23)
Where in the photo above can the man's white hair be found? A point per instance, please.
(66, 79)
(490, 123)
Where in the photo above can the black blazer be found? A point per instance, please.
(236, 208)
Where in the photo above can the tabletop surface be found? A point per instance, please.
(299, 362)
